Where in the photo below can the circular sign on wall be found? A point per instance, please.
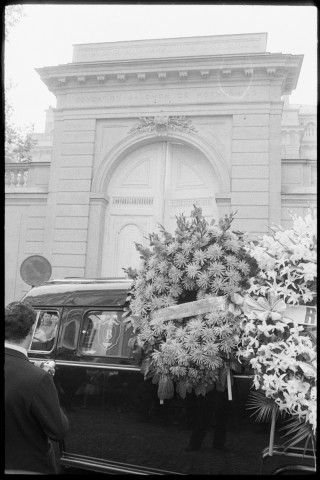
(35, 270)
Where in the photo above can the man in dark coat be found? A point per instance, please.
(32, 410)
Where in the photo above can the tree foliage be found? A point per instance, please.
(13, 15)
(18, 141)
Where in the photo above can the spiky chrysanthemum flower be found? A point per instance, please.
(233, 275)
(231, 260)
(192, 269)
(148, 291)
(190, 341)
(150, 275)
(212, 349)
(160, 284)
(189, 284)
(172, 248)
(175, 274)
(199, 257)
(214, 251)
(155, 303)
(197, 356)
(203, 279)
(180, 259)
(208, 334)
(162, 266)
(138, 307)
(176, 290)
(216, 269)
(187, 247)
(217, 285)
(243, 266)
(195, 325)
(213, 317)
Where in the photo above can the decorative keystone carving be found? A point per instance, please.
(162, 75)
(121, 77)
(271, 72)
(248, 72)
(81, 79)
(226, 73)
(204, 74)
(183, 75)
(162, 124)
(101, 78)
(141, 76)
(182, 124)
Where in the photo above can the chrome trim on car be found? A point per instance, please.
(103, 466)
(93, 365)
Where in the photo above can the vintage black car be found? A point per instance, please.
(117, 424)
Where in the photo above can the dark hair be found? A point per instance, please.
(19, 319)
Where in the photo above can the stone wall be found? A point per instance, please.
(228, 109)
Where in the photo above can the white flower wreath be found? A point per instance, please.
(200, 261)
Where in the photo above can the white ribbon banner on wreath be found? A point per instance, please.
(190, 309)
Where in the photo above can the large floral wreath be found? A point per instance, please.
(200, 261)
(281, 352)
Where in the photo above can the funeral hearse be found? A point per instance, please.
(117, 423)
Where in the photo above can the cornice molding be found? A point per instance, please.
(274, 67)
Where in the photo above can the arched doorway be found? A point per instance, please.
(152, 185)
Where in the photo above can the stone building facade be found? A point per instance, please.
(141, 131)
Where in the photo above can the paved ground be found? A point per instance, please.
(132, 430)
(161, 445)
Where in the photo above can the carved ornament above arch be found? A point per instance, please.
(162, 124)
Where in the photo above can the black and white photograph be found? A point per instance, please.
(160, 238)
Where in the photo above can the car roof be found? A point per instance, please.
(81, 292)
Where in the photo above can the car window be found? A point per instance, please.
(45, 331)
(103, 333)
(69, 330)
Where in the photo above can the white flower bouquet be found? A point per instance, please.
(49, 366)
(282, 352)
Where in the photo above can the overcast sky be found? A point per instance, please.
(45, 36)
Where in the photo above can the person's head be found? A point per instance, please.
(19, 320)
(46, 319)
